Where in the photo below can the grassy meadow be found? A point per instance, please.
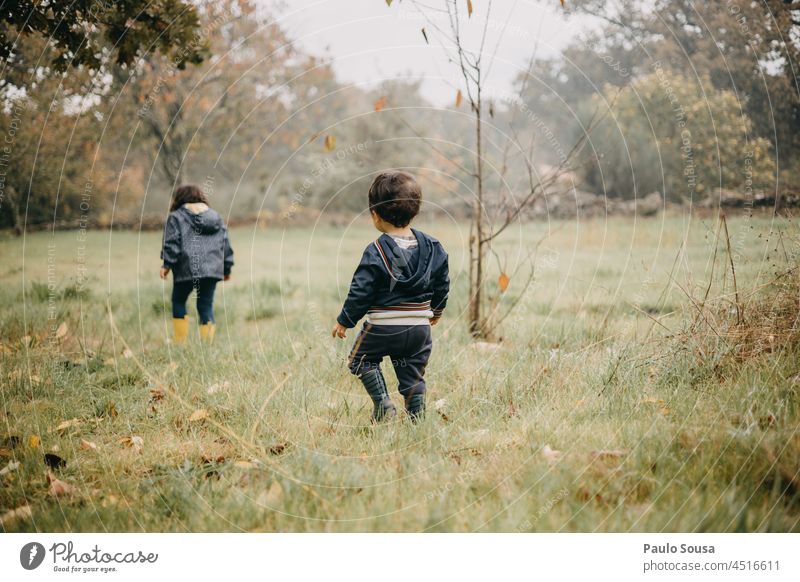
(622, 394)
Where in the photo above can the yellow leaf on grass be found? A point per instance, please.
(330, 143)
(380, 103)
(459, 98)
(34, 441)
(198, 415)
(503, 281)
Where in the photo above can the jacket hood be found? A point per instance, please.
(410, 270)
(204, 219)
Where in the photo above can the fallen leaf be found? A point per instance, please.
(469, 8)
(653, 401)
(198, 415)
(214, 388)
(11, 441)
(425, 35)
(486, 346)
(157, 394)
(579, 402)
(88, 446)
(134, 442)
(12, 466)
(459, 98)
(4, 452)
(54, 461)
(503, 281)
(610, 453)
(277, 448)
(664, 410)
(34, 441)
(274, 494)
(62, 330)
(330, 143)
(380, 103)
(244, 465)
(21, 512)
(551, 455)
(58, 487)
(66, 424)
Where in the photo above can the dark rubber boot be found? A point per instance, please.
(376, 388)
(415, 406)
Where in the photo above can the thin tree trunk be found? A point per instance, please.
(476, 323)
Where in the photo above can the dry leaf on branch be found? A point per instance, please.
(469, 8)
(503, 281)
(330, 143)
(459, 98)
(425, 35)
(380, 104)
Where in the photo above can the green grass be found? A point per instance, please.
(707, 444)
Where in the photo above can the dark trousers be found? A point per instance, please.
(205, 298)
(409, 347)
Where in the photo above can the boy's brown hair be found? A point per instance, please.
(187, 194)
(396, 197)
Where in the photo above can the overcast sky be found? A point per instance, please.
(368, 41)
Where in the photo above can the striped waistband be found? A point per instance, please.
(401, 314)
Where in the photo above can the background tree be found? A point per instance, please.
(86, 32)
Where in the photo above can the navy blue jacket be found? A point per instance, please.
(196, 245)
(389, 276)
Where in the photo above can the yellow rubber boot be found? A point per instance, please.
(181, 328)
(207, 332)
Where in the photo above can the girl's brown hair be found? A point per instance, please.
(187, 194)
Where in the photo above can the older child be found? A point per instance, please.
(197, 251)
(401, 285)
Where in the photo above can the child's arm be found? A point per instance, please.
(171, 247)
(441, 289)
(228, 265)
(362, 291)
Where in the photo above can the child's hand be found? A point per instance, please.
(226, 277)
(339, 330)
(435, 320)
(164, 272)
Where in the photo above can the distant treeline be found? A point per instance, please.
(695, 99)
